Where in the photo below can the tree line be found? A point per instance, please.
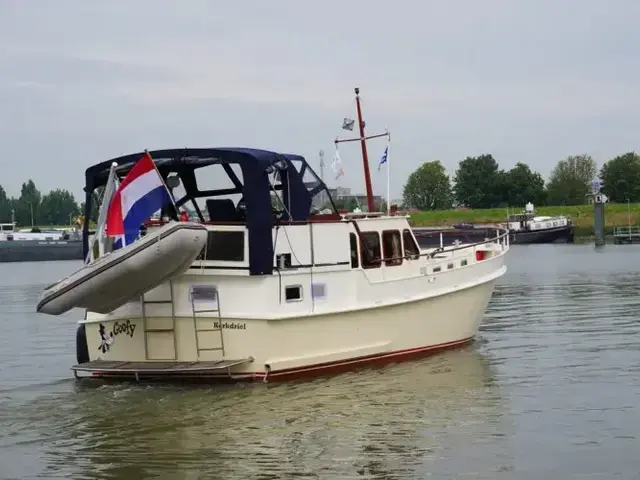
(479, 182)
(58, 207)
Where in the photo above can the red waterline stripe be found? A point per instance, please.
(328, 368)
(374, 359)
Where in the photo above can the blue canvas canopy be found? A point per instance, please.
(255, 188)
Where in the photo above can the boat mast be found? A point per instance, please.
(365, 157)
(363, 144)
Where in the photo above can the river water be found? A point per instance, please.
(550, 389)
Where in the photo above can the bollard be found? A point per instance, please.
(598, 221)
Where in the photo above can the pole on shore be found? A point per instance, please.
(599, 199)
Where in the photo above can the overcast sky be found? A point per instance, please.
(531, 81)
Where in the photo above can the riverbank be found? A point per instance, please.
(616, 215)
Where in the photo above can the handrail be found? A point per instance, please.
(504, 235)
(627, 230)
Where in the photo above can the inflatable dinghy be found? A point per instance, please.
(120, 276)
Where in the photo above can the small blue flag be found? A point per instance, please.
(384, 157)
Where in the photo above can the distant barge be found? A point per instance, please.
(38, 245)
(524, 228)
(527, 227)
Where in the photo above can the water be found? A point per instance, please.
(549, 390)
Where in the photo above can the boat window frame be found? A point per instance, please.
(354, 250)
(410, 255)
(300, 291)
(375, 262)
(241, 244)
(392, 260)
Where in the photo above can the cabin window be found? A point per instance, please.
(463, 263)
(392, 247)
(224, 246)
(370, 255)
(411, 249)
(450, 266)
(353, 240)
(436, 269)
(293, 293)
(283, 260)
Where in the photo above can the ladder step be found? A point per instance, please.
(149, 332)
(210, 294)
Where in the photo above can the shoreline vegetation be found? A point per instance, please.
(615, 215)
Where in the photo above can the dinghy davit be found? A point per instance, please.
(120, 276)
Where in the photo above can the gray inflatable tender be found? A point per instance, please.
(120, 276)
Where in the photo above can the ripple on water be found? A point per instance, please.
(394, 420)
(549, 390)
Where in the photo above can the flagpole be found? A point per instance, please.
(388, 175)
(100, 237)
(146, 152)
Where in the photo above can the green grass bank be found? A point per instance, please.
(616, 215)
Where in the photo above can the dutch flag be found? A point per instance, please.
(139, 195)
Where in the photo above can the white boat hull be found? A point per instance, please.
(116, 278)
(297, 346)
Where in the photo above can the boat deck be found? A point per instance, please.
(158, 369)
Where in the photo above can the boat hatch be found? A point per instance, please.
(164, 369)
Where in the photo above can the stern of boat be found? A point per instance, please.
(178, 331)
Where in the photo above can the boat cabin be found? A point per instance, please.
(245, 196)
(6, 231)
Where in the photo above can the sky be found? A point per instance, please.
(535, 81)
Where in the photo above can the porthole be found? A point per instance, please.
(293, 293)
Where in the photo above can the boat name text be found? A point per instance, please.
(125, 327)
(231, 325)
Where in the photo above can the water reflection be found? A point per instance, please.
(549, 390)
(397, 422)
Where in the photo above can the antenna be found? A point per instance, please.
(321, 154)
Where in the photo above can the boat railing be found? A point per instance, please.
(501, 238)
(627, 231)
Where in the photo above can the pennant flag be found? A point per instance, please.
(336, 165)
(140, 195)
(347, 124)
